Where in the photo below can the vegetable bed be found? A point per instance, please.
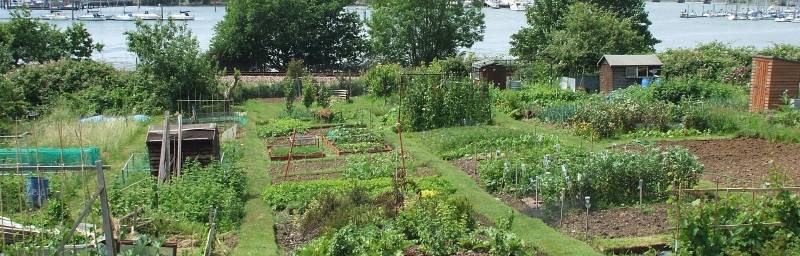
(345, 140)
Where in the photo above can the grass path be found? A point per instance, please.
(256, 236)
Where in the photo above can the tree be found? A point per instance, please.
(544, 17)
(410, 32)
(32, 41)
(632, 10)
(383, 80)
(169, 57)
(547, 16)
(309, 92)
(267, 34)
(589, 33)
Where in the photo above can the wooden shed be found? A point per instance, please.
(200, 141)
(490, 71)
(770, 78)
(621, 71)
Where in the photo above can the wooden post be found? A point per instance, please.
(179, 152)
(101, 181)
(162, 169)
(289, 161)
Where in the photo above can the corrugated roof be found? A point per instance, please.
(484, 63)
(631, 60)
(207, 131)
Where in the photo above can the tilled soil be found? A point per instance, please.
(301, 166)
(609, 223)
(295, 178)
(744, 162)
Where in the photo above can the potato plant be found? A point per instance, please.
(610, 177)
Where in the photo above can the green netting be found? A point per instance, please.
(216, 118)
(49, 156)
(138, 162)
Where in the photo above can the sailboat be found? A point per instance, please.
(182, 15)
(125, 16)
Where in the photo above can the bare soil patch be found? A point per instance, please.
(277, 179)
(301, 166)
(744, 162)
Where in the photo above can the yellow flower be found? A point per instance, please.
(428, 193)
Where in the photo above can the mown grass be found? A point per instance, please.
(256, 235)
(628, 242)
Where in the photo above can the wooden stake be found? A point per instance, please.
(289, 161)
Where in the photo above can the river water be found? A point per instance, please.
(673, 31)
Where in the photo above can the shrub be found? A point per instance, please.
(309, 91)
(259, 90)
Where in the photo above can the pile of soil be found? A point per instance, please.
(746, 161)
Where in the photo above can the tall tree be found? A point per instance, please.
(29, 40)
(547, 16)
(589, 32)
(544, 17)
(267, 34)
(170, 59)
(632, 10)
(413, 31)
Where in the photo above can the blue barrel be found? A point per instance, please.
(646, 82)
(38, 191)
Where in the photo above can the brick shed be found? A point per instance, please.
(770, 78)
(621, 71)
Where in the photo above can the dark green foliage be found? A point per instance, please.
(324, 97)
(415, 32)
(436, 222)
(309, 92)
(320, 33)
(434, 101)
(590, 32)
(576, 33)
(30, 40)
(260, 90)
(85, 85)
(170, 61)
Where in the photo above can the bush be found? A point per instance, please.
(259, 90)
(708, 119)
